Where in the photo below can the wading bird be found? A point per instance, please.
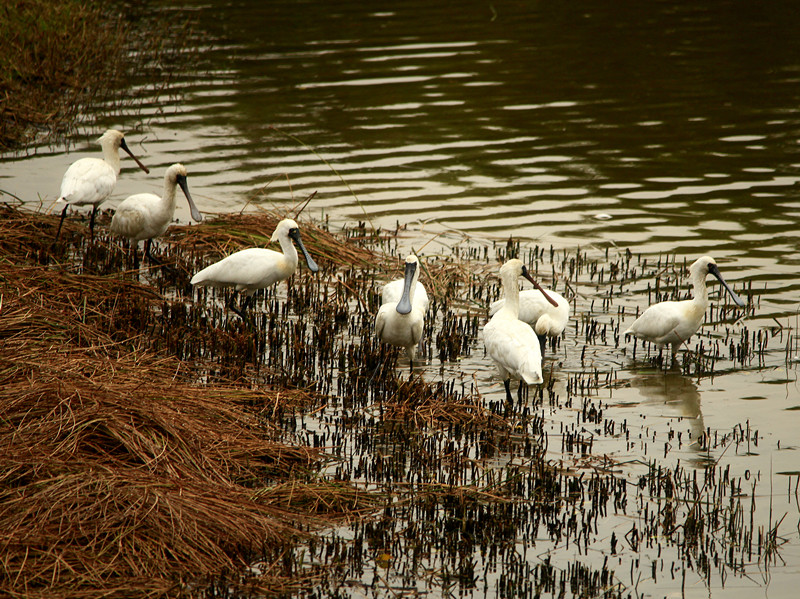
(256, 268)
(145, 215)
(511, 343)
(401, 317)
(672, 323)
(547, 320)
(90, 181)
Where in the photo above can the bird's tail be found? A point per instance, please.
(531, 369)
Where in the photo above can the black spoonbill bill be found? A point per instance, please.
(256, 268)
(672, 323)
(90, 181)
(145, 215)
(401, 317)
(547, 320)
(511, 343)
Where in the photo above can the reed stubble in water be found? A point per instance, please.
(255, 438)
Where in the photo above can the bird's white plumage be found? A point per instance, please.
(534, 309)
(256, 268)
(511, 343)
(145, 215)
(90, 181)
(393, 291)
(673, 322)
(394, 327)
(249, 270)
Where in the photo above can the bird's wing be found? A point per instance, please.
(380, 321)
(532, 305)
(246, 268)
(656, 322)
(514, 346)
(88, 181)
(132, 216)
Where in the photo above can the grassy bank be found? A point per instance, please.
(155, 445)
(148, 446)
(123, 474)
(61, 58)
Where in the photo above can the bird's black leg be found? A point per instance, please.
(153, 259)
(246, 304)
(135, 248)
(519, 391)
(61, 221)
(542, 343)
(232, 306)
(241, 312)
(507, 384)
(91, 222)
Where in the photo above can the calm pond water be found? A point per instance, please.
(667, 128)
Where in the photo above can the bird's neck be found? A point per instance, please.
(111, 156)
(169, 194)
(511, 290)
(700, 290)
(288, 249)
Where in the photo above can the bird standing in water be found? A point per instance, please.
(671, 322)
(145, 215)
(511, 343)
(401, 317)
(256, 268)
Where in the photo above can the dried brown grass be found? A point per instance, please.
(120, 476)
(226, 233)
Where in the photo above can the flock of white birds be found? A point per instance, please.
(514, 336)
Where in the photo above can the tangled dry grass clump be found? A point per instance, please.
(149, 442)
(121, 474)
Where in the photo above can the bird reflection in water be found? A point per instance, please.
(681, 397)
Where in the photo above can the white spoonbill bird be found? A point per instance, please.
(392, 292)
(256, 268)
(547, 320)
(672, 323)
(145, 215)
(511, 343)
(401, 317)
(89, 181)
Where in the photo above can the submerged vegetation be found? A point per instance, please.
(154, 444)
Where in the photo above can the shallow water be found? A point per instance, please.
(670, 129)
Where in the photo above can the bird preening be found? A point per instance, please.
(90, 181)
(252, 269)
(547, 320)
